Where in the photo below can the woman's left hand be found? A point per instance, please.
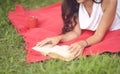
(77, 48)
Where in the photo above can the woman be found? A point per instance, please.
(95, 15)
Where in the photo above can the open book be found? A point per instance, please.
(58, 52)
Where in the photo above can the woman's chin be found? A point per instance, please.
(80, 1)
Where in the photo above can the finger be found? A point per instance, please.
(42, 43)
(72, 49)
(38, 43)
(79, 53)
(53, 44)
(76, 52)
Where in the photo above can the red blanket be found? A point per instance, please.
(48, 22)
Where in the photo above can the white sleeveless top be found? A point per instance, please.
(92, 22)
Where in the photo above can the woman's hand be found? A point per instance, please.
(77, 48)
(52, 40)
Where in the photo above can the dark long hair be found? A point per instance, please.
(70, 13)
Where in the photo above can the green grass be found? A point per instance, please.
(12, 55)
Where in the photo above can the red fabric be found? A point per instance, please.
(49, 23)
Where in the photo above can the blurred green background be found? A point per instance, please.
(12, 55)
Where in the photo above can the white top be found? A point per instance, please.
(92, 22)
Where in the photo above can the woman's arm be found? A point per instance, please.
(106, 22)
(71, 35)
(109, 13)
(62, 38)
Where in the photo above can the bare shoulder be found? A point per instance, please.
(108, 4)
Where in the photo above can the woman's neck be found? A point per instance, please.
(88, 3)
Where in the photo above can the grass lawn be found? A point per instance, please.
(12, 55)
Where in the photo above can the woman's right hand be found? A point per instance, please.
(52, 40)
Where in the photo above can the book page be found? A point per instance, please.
(44, 49)
(60, 50)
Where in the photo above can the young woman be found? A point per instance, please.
(95, 15)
